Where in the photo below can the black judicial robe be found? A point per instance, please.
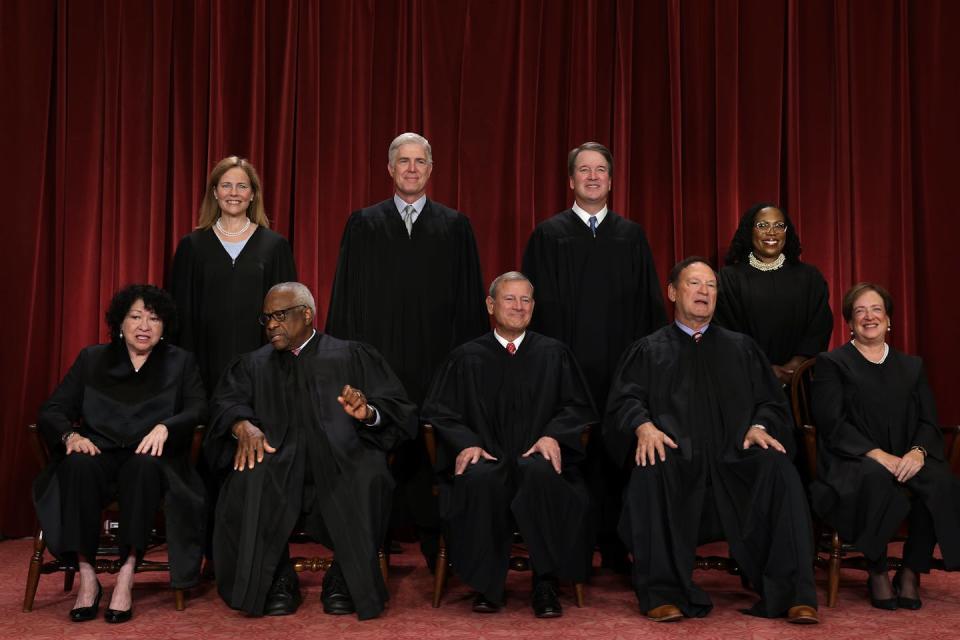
(106, 400)
(705, 396)
(859, 406)
(787, 311)
(218, 301)
(597, 295)
(327, 465)
(483, 396)
(413, 297)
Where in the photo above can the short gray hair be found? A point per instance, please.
(409, 138)
(301, 294)
(509, 276)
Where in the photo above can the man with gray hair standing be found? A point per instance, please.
(301, 427)
(509, 410)
(408, 282)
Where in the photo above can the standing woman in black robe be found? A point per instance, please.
(223, 270)
(221, 274)
(768, 294)
(120, 425)
(878, 435)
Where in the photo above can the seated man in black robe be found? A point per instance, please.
(509, 409)
(301, 444)
(700, 412)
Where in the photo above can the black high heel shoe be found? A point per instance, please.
(906, 603)
(83, 614)
(113, 616)
(888, 604)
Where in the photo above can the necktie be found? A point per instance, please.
(408, 212)
(296, 351)
(697, 336)
(593, 225)
(511, 348)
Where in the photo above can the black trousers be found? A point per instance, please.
(89, 483)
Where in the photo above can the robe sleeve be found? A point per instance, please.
(538, 258)
(651, 314)
(62, 411)
(470, 320)
(444, 409)
(770, 405)
(575, 412)
(398, 416)
(282, 266)
(230, 403)
(628, 405)
(343, 319)
(193, 406)
(181, 288)
(730, 313)
(927, 434)
(819, 325)
(835, 430)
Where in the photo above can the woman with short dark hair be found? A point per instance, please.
(120, 425)
(877, 436)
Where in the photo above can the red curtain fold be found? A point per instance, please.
(115, 111)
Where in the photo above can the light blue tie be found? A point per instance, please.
(593, 225)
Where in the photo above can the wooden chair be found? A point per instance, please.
(322, 563)
(832, 553)
(108, 542)
(517, 562)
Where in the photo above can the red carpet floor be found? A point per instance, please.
(610, 611)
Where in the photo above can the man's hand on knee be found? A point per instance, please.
(251, 445)
(650, 444)
(470, 455)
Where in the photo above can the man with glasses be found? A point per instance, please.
(302, 426)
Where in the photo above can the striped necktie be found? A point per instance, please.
(408, 212)
(593, 225)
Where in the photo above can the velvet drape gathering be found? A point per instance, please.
(113, 112)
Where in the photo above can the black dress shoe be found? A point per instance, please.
(482, 605)
(335, 595)
(546, 600)
(284, 596)
(82, 614)
(907, 603)
(888, 604)
(113, 616)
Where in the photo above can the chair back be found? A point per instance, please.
(801, 386)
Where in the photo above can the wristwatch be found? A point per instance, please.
(917, 447)
(67, 435)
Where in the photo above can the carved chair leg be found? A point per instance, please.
(180, 599)
(578, 589)
(33, 575)
(440, 573)
(833, 576)
(384, 565)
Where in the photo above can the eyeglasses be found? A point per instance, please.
(279, 316)
(763, 225)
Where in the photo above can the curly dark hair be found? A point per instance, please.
(742, 243)
(154, 299)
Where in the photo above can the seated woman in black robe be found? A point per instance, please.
(878, 436)
(768, 294)
(120, 426)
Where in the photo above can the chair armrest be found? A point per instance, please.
(430, 441)
(952, 433)
(39, 446)
(810, 448)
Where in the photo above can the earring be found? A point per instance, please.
(889, 328)
(121, 334)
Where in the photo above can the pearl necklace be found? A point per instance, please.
(886, 352)
(232, 234)
(767, 266)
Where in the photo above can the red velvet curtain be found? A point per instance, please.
(113, 113)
